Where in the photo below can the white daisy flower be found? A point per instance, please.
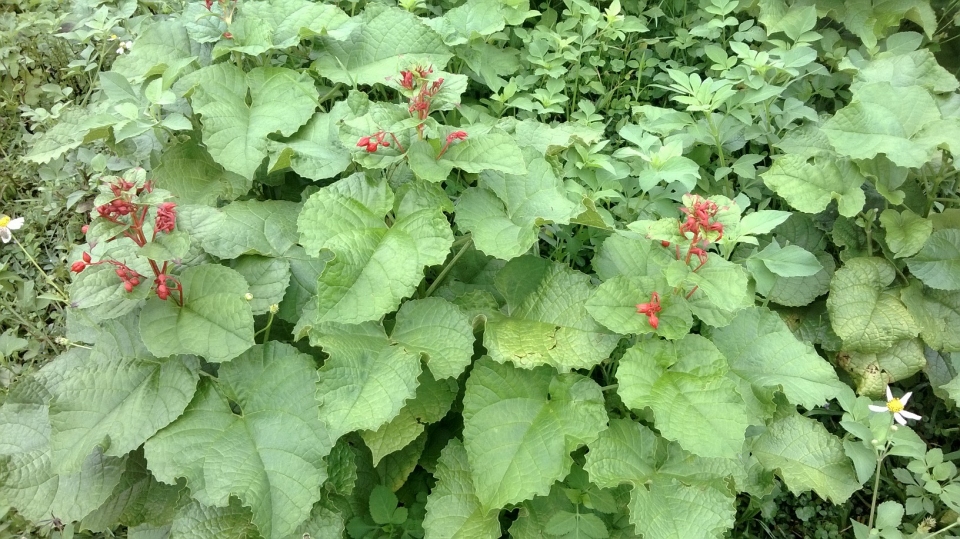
(6, 225)
(120, 50)
(896, 407)
(128, 44)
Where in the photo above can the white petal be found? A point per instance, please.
(15, 224)
(878, 409)
(905, 398)
(889, 394)
(5, 235)
(909, 415)
(900, 418)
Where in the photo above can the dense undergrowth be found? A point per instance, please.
(484, 268)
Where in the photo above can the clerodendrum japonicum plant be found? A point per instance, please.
(466, 269)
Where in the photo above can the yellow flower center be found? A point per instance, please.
(895, 406)
(4, 221)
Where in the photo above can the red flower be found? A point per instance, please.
(651, 309)
(166, 217)
(456, 135)
(406, 80)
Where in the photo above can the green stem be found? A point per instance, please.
(938, 532)
(446, 269)
(876, 490)
(50, 281)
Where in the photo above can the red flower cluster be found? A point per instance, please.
(456, 135)
(651, 309)
(373, 142)
(698, 219)
(166, 217)
(163, 291)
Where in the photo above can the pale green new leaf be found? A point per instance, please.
(315, 150)
(863, 313)
(810, 185)
(270, 456)
(546, 320)
(215, 320)
(886, 119)
(453, 509)
(190, 174)
(938, 262)
(520, 426)
(756, 336)
(383, 40)
(492, 150)
(365, 382)
(789, 260)
(691, 397)
(937, 312)
(504, 212)
(234, 132)
(374, 266)
(906, 231)
(117, 399)
(807, 457)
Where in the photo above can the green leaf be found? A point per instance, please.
(74, 127)
(28, 480)
(188, 171)
(937, 313)
(117, 399)
(100, 293)
(807, 457)
(686, 386)
(315, 150)
(760, 222)
(235, 133)
(938, 262)
(900, 122)
(798, 291)
(162, 44)
(440, 331)
(215, 320)
(432, 402)
(546, 318)
(453, 508)
(198, 521)
(382, 41)
(268, 279)
(724, 283)
(137, 499)
(491, 151)
(810, 186)
(257, 456)
(914, 68)
(265, 227)
(521, 425)
(585, 525)
(615, 306)
(304, 272)
(472, 19)
(670, 509)
(374, 266)
(630, 254)
(667, 482)
(754, 338)
(863, 313)
(789, 260)
(365, 382)
(279, 24)
(899, 362)
(906, 231)
(504, 212)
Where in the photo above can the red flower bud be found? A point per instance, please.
(128, 286)
(654, 321)
(227, 35)
(86, 257)
(84, 228)
(665, 243)
(364, 141)
(372, 146)
(163, 292)
(78, 266)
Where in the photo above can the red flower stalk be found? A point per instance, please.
(166, 217)
(456, 135)
(651, 309)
